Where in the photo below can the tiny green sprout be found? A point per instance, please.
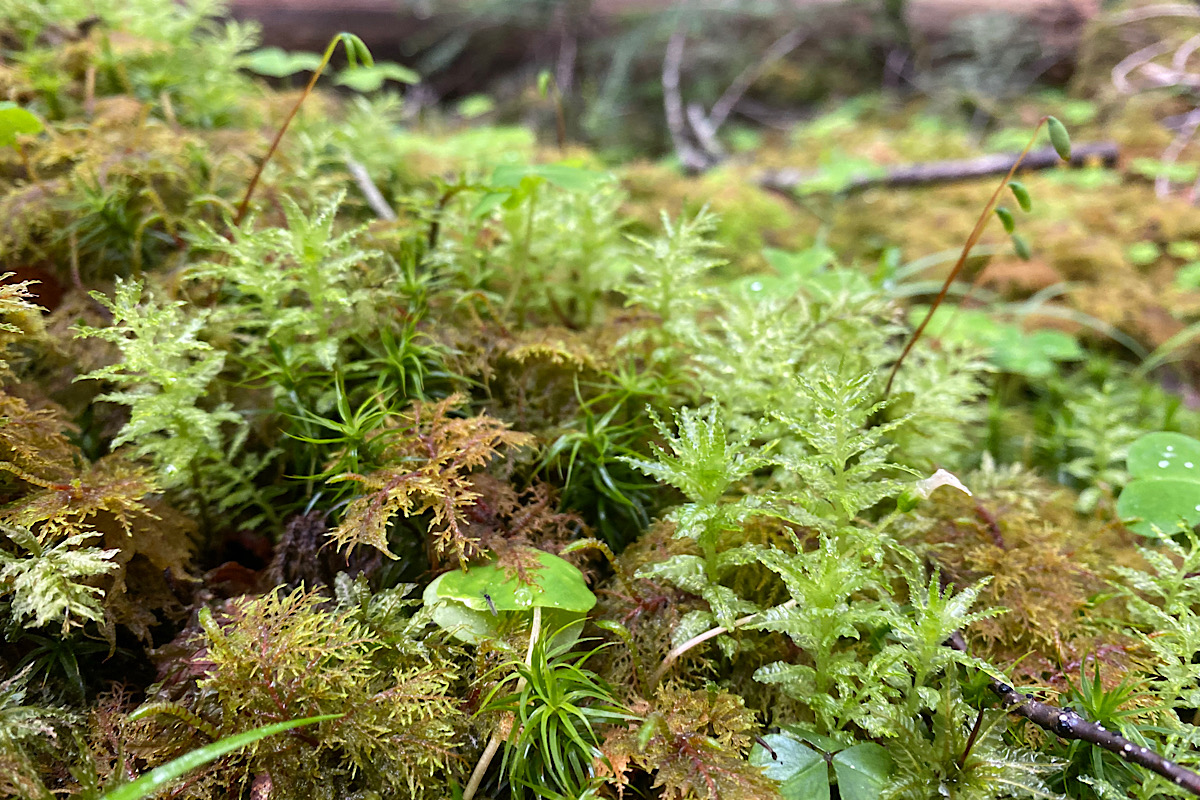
(543, 83)
(1059, 138)
(922, 489)
(478, 604)
(1022, 194)
(1006, 219)
(1021, 247)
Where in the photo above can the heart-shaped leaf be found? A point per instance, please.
(551, 583)
(1165, 489)
(801, 771)
(861, 771)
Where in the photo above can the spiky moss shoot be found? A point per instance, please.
(1048, 566)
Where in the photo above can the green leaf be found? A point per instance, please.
(1021, 247)
(370, 79)
(543, 83)
(277, 63)
(1188, 276)
(862, 771)
(1165, 489)
(1022, 194)
(554, 584)
(1142, 253)
(1187, 250)
(356, 49)
(1006, 219)
(564, 176)
(800, 770)
(157, 778)
(1013, 350)
(475, 105)
(15, 121)
(1059, 138)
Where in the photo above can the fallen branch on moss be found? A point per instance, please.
(1067, 724)
(936, 172)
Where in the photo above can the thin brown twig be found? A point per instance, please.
(1068, 724)
(689, 156)
(730, 97)
(984, 217)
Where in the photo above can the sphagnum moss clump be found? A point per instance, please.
(247, 418)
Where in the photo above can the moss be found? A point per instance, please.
(1046, 567)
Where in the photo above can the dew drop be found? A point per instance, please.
(1164, 464)
(1188, 464)
(1170, 447)
(756, 286)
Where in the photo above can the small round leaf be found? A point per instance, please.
(862, 771)
(1165, 490)
(16, 121)
(800, 770)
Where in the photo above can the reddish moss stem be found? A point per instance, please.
(972, 240)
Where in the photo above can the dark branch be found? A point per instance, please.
(931, 172)
(1069, 725)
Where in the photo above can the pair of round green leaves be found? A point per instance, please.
(477, 604)
(1164, 493)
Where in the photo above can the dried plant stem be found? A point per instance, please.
(676, 652)
(355, 49)
(489, 752)
(976, 232)
(370, 191)
(1069, 725)
(245, 204)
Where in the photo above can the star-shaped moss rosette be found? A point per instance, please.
(1165, 491)
(483, 601)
